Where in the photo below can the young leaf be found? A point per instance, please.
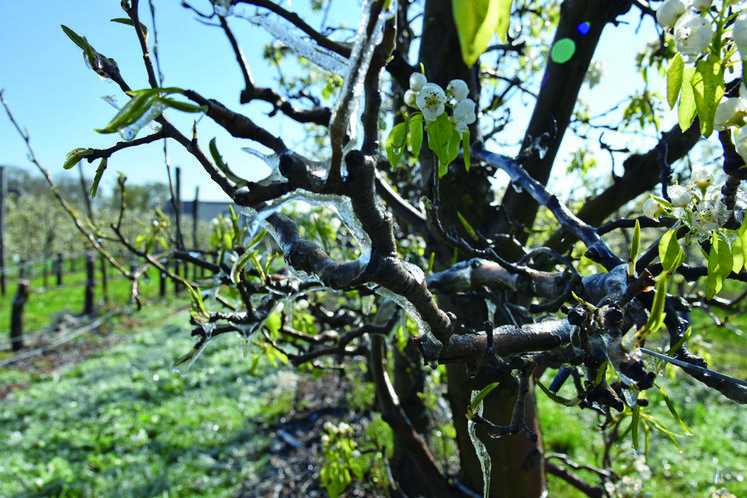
(671, 254)
(673, 410)
(415, 133)
(674, 79)
(686, 110)
(635, 245)
(479, 397)
(97, 177)
(128, 21)
(467, 226)
(708, 89)
(74, 157)
(182, 106)
(476, 22)
(395, 144)
(129, 113)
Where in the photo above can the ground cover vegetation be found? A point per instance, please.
(382, 243)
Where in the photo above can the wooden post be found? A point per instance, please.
(90, 284)
(195, 219)
(3, 196)
(16, 317)
(162, 279)
(58, 268)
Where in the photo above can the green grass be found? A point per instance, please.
(44, 303)
(122, 424)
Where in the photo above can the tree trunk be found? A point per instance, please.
(517, 470)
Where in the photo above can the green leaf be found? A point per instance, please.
(635, 246)
(671, 254)
(720, 264)
(182, 106)
(415, 133)
(395, 143)
(656, 318)
(708, 89)
(468, 227)
(476, 22)
(673, 410)
(129, 113)
(128, 21)
(555, 397)
(674, 79)
(198, 311)
(686, 111)
(74, 157)
(97, 176)
(478, 399)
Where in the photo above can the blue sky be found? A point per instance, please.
(57, 98)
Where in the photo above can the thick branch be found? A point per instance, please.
(596, 248)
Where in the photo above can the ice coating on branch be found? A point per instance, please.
(346, 108)
(272, 161)
(341, 205)
(435, 345)
(305, 47)
(130, 132)
(184, 364)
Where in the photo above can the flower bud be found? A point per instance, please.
(668, 13)
(679, 196)
(740, 33)
(692, 34)
(417, 81)
(464, 115)
(457, 89)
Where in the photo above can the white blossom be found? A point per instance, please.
(417, 81)
(652, 208)
(464, 115)
(742, 143)
(701, 178)
(701, 5)
(430, 101)
(730, 112)
(740, 33)
(668, 13)
(457, 89)
(679, 195)
(411, 98)
(692, 34)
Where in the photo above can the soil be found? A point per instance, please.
(294, 454)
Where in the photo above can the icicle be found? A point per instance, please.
(482, 452)
(303, 46)
(406, 305)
